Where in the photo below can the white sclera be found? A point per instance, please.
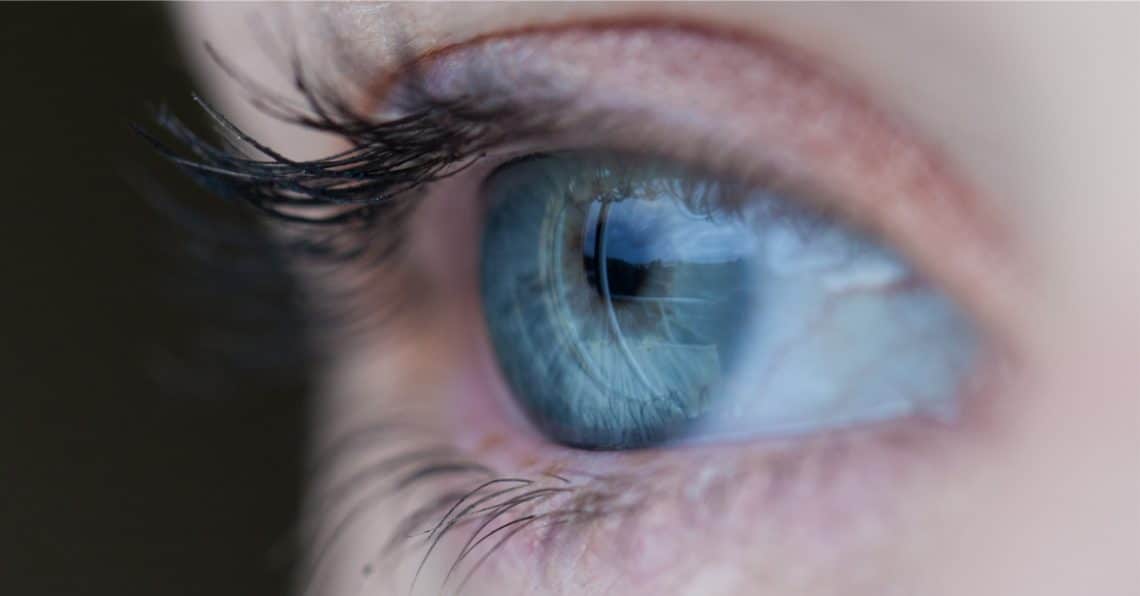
(842, 333)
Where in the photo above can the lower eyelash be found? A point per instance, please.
(470, 505)
(477, 511)
(491, 509)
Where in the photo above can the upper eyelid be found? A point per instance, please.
(870, 167)
(478, 69)
(915, 200)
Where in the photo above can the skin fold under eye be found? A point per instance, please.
(633, 303)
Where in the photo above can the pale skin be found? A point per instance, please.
(1034, 105)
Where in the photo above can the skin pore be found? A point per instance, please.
(1035, 108)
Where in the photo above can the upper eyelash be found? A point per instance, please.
(371, 183)
(335, 209)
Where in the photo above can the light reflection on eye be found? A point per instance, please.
(632, 302)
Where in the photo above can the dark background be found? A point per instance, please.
(115, 479)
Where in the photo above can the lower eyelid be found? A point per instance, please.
(798, 501)
(798, 498)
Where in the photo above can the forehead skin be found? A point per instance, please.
(1038, 105)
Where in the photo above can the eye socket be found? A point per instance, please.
(633, 302)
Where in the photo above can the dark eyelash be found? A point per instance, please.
(493, 509)
(371, 187)
(387, 159)
(365, 185)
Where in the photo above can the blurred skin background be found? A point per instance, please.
(129, 466)
(109, 482)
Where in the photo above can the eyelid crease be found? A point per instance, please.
(383, 85)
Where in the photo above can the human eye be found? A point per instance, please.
(621, 297)
(632, 303)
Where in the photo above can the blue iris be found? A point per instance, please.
(633, 302)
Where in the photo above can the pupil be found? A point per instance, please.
(626, 268)
(624, 278)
